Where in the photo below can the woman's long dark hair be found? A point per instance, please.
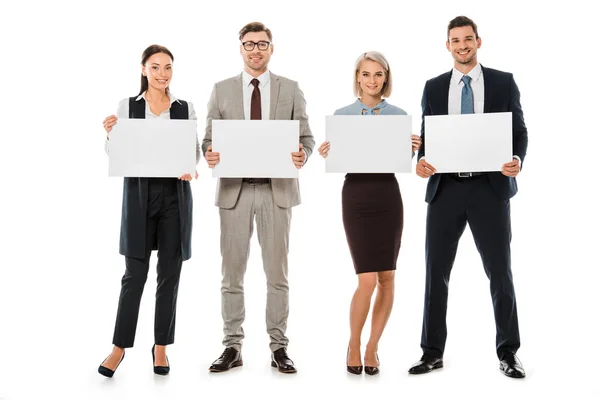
(149, 52)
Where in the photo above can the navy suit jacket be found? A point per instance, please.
(501, 94)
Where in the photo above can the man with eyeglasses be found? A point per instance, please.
(256, 94)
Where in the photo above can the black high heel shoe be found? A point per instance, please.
(356, 370)
(160, 370)
(372, 370)
(109, 372)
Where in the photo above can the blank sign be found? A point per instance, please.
(255, 148)
(468, 142)
(369, 143)
(159, 148)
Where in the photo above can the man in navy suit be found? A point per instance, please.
(480, 198)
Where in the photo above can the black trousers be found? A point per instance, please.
(458, 201)
(163, 228)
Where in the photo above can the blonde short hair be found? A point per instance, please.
(376, 56)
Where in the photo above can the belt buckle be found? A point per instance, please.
(256, 181)
(465, 174)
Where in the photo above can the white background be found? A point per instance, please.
(64, 67)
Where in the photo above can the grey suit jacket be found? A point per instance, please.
(287, 102)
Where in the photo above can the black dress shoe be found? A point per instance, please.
(353, 369)
(109, 372)
(426, 364)
(372, 370)
(511, 366)
(160, 370)
(281, 361)
(230, 358)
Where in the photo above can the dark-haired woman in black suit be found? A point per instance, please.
(157, 215)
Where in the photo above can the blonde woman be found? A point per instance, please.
(373, 218)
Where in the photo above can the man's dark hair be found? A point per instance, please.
(255, 27)
(460, 22)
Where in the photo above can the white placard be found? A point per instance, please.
(369, 143)
(468, 142)
(152, 148)
(255, 148)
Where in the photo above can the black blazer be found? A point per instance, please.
(135, 199)
(501, 94)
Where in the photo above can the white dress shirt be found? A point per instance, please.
(265, 93)
(456, 87)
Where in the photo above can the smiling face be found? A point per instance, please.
(159, 70)
(256, 60)
(463, 44)
(371, 77)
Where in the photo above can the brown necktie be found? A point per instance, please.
(255, 109)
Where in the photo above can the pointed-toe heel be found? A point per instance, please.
(109, 372)
(160, 370)
(353, 369)
(372, 370)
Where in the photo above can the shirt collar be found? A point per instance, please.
(369, 109)
(475, 74)
(171, 97)
(263, 78)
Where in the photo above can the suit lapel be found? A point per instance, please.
(237, 98)
(445, 89)
(275, 84)
(487, 90)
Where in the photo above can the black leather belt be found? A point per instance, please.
(256, 181)
(467, 174)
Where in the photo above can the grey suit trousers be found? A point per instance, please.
(273, 227)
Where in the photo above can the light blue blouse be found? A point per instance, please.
(358, 108)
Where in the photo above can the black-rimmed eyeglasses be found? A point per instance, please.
(262, 45)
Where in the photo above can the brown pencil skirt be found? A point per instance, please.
(373, 216)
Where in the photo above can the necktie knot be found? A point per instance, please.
(466, 79)
(255, 82)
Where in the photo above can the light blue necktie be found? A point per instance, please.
(466, 100)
